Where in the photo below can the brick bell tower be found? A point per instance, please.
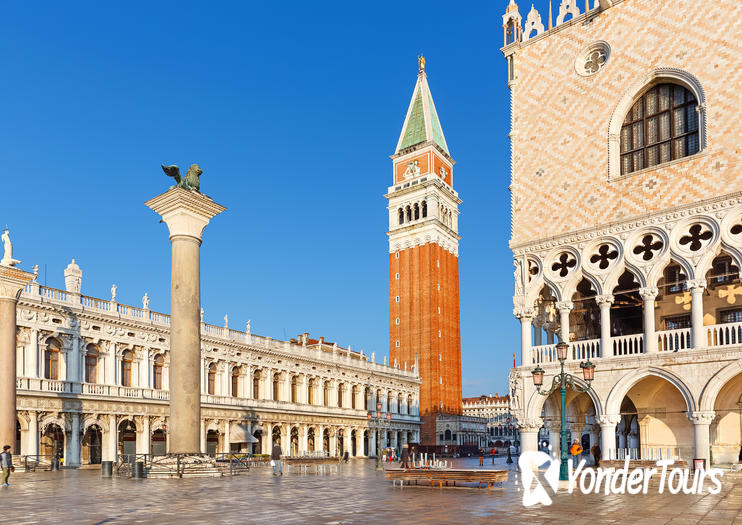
(423, 260)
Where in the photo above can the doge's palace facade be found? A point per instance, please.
(626, 231)
(93, 378)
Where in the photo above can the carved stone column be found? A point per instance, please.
(604, 303)
(650, 335)
(696, 287)
(186, 214)
(564, 307)
(12, 281)
(701, 422)
(608, 434)
(526, 316)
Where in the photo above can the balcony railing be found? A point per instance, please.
(718, 335)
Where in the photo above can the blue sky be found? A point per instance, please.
(292, 110)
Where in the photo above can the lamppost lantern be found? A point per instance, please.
(561, 349)
(538, 376)
(378, 406)
(369, 416)
(378, 415)
(588, 370)
(388, 416)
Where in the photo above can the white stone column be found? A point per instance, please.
(303, 440)
(144, 438)
(333, 441)
(650, 336)
(110, 447)
(564, 307)
(701, 422)
(109, 364)
(359, 442)
(33, 355)
(529, 435)
(12, 282)
(203, 437)
(696, 287)
(226, 442)
(319, 442)
(31, 442)
(537, 331)
(608, 434)
(72, 454)
(526, 317)
(372, 442)
(266, 439)
(604, 303)
(186, 214)
(555, 437)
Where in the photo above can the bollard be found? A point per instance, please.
(137, 470)
(106, 469)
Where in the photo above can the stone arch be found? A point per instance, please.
(623, 385)
(212, 425)
(53, 420)
(716, 383)
(91, 421)
(637, 89)
(537, 401)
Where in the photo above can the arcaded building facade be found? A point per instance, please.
(93, 378)
(423, 259)
(626, 225)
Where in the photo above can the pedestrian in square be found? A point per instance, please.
(276, 460)
(6, 461)
(595, 451)
(405, 456)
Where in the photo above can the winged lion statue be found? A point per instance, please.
(191, 179)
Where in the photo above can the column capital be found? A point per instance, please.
(609, 419)
(185, 212)
(701, 417)
(696, 284)
(530, 425)
(604, 299)
(648, 293)
(564, 306)
(12, 282)
(524, 313)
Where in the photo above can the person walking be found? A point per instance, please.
(595, 451)
(346, 455)
(405, 456)
(6, 461)
(276, 460)
(575, 450)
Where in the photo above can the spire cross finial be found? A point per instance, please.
(421, 64)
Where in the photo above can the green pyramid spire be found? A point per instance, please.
(421, 124)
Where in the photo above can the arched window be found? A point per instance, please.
(353, 394)
(236, 381)
(127, 358)
(211, 385)
(447, 435)
(341, 392)
(310, 391)
(367, 398)
(425, 209)
(51, 359)
(276, 383)
(409, 404)
(256, 385)
(417, 211)
(399, 403)
(91, 364)
(408, 213)
(294, 389)
(326, 392)
(401, 215)
(661, 126)
(389, 400)
(157, 367)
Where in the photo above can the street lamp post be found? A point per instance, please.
(381, 422)
(562, 381)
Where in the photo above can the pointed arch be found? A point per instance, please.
(623, 385)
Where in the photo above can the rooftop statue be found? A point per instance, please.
(7, 259)
(190, 182)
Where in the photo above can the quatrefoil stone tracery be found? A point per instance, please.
(648, 247)
(604, 256)
(564, 264)
(696, 238)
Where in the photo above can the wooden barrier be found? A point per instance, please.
(440, 476)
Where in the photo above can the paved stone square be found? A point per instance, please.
(358, 494)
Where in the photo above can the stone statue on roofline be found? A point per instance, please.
(7, 259)
(191, 179)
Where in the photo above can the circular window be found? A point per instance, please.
(593, 58)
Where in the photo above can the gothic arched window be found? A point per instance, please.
(51, 359)
(660, 127)
(91, 364)
(401, 215)
(127, 358)
(211, 385)
(256, 385)
(236, 381)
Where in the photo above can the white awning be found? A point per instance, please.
(239, 434)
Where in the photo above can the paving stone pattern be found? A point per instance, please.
(358, 494)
